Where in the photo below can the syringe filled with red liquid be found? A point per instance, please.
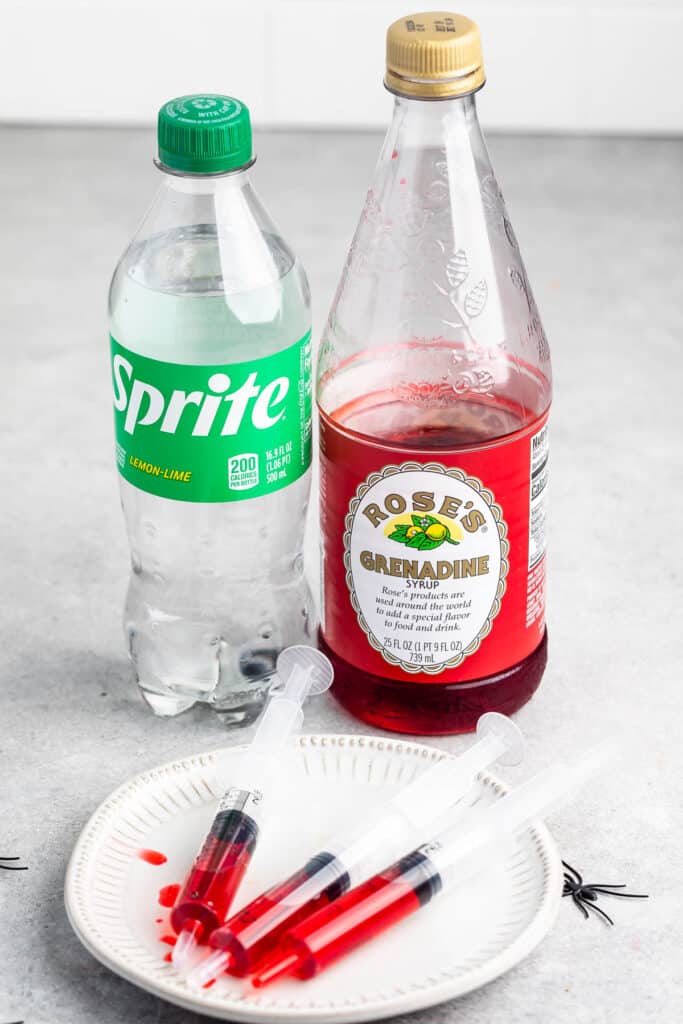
(413, 881)
(209, 889)
(254, 933)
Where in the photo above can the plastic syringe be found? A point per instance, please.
(411, 882)
(209, 889)
(254, 932)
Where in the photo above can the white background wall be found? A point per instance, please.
(607, 66)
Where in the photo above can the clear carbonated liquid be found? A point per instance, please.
(216, 589)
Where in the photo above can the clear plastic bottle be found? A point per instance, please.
(434, 389)
(210, 328)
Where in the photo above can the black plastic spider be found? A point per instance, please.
(12, 867)
(585, 894)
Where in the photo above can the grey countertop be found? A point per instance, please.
(599, 222)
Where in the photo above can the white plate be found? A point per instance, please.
(462, 940)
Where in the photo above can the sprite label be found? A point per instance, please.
(213, 433)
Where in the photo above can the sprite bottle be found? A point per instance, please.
(210, 345)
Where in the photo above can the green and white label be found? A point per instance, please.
(213, 433)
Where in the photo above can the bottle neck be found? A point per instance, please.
(208, 184)
(429, 124)
(218, 218)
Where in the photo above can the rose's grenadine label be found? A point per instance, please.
(433, 562)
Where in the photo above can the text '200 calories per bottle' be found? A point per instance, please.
(210, 344)
(434, 389)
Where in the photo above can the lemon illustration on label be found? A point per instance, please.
(423, 532)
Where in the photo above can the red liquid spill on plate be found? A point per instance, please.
(170, 940)
(168, 895)
(168, 958)
(209, 983)
(152, 857)
(158, 920)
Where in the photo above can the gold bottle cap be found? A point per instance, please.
(434, 55)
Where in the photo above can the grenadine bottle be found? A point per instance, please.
(434, 389)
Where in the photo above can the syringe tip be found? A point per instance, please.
(187, 942)
(210, 970)
(276, 969)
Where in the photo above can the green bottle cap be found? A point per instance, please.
(204, 134)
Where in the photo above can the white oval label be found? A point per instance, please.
(425, 552)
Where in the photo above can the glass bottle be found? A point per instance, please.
(434, 388)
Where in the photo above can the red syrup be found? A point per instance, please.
(354, 918)
(255, 932)
(387, 672)
(153, 857)
(168, 895)
(210, 887)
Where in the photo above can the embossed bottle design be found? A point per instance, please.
(433, 395)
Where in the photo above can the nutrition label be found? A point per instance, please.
(538, 486)
(538, 489)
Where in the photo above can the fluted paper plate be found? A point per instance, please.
(461, 941)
